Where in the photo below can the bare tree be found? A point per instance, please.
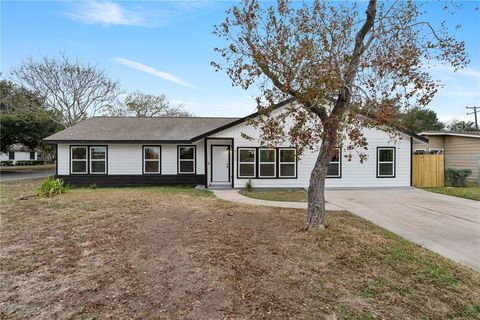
(139, 104)
(344, 71)
(73, 90)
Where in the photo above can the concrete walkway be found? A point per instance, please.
(444, 224)
(235, 196)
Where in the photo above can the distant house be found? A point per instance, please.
(213, 152)
(461, 149)
(19, 152)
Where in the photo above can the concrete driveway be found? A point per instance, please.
(444, 224)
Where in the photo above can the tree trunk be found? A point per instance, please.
(316, 189)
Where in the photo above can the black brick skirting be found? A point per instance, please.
(132, 180)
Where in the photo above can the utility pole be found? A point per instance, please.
(475, 110)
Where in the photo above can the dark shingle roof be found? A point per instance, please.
(126, 129)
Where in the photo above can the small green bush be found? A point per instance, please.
(249, 185)
(6, 163)
(29, 162)
(51, 187)
(457, 177)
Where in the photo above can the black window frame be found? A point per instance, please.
(159, 160)
(88, 172)
(257, 163)
(90, 160)
(11, 155)
(87, 164)
(340, 164)
(279, 162)
(194, 159)
(32, 157)
(394, 149)
(254, 163)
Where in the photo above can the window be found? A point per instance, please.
(267, 163)
(11, 155)
(246, 162)
(435, 151)
(98, 160)
(32, 155)
(287, 163)
(78, 160)
(186, 159)
(151, 159)
(386, 162)
(335, 168)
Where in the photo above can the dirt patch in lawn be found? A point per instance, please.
(182, 254)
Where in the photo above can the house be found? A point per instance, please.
(213, 152)
(19, 152)
(461, 149)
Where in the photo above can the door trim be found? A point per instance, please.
(229, 163)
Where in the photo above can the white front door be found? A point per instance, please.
(220, 164)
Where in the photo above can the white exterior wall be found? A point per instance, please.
(19, 155)
(354, 173)
(126, 159)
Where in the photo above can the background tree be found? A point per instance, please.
(23, 120)
(461, 126)
(70, 89)
(336, 61)
(139, 104)
(417, 119)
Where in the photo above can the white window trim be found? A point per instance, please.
(269, 162)
(152, 160)
(78, 160)
(98, 160)
(250, 163)
(280, 163)
(392, 162)
(192, 160)
(339, 162)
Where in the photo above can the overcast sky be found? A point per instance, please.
(166, 47)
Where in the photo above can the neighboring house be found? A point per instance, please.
(19, 152)
(213, 152)
(461, 150)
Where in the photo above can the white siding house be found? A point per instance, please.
(212, 152)
(18, 153)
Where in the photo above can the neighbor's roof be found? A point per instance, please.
(19, 147)
(471, 134)
(134, 129)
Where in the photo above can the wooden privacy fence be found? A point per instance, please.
(428, 170)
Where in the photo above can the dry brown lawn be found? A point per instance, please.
(172, 253)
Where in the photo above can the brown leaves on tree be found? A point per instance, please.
(346, 65)
(308, 52)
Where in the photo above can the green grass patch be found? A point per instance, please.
(291, 195)
(471, 192)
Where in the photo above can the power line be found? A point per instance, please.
(475, 110)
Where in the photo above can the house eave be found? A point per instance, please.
(116, 141)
